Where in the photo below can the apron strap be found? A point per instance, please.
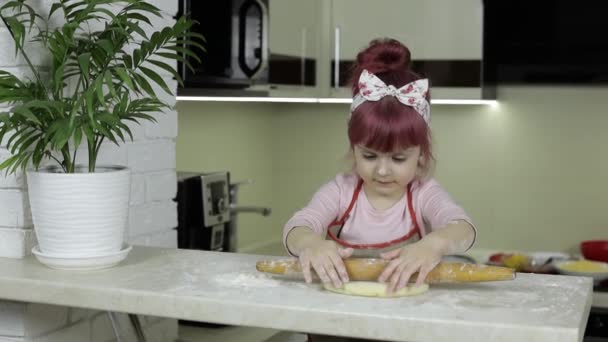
(410, 206)
(350, 206)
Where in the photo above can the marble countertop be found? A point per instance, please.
(226, 288)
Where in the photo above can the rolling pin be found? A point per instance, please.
(370, 269)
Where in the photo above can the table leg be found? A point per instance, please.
(115, 328)
(139, 332)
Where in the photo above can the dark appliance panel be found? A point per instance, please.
(203, 211)
(597, 324)
(596, 329)
(545, 42)
(236, 43)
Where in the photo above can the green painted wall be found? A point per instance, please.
(237, 137)
(531, 172)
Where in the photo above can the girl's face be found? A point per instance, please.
(386, 174)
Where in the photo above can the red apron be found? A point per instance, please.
(374, 249)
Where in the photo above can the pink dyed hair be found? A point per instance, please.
(388, 125)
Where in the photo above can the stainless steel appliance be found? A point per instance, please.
(207, 211)
(236, 40)
(203, 210)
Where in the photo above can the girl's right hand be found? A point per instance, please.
(325, 257)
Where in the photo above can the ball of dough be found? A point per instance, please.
(375, 289)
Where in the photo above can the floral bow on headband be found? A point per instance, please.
(413, 94)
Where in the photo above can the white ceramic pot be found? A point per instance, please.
(80, 214)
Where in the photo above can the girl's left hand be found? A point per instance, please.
(420, 257)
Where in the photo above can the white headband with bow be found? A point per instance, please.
(413, 94)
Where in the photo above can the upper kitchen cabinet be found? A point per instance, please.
(444, 37)
(254, 48)
(304, 48)
(295, 43)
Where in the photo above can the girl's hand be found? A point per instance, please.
(420, 257)
(325, 257)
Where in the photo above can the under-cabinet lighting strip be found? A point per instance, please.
(247, 99)
(319, 100)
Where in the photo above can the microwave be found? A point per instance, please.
(236, 43)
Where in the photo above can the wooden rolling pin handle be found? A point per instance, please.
(467, 273)
(370, 270)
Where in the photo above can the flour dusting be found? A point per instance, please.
(190, 277)
(235, 279)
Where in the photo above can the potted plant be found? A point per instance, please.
(93, 86)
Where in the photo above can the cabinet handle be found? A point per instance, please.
(337, 57)
(304, 34)
(243, 26)
(265, 32)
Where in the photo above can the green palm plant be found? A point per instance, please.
(94, 85)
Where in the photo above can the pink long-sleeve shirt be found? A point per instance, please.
(433, 206)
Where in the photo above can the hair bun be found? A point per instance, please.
(384, 55)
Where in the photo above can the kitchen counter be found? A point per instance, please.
(226, 288)
(600, 299)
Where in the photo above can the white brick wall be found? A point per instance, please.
(152, 218)
(16, 242)
(7, 52)
(14, 208)
(12, 180)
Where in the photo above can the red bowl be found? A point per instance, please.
(595, 250)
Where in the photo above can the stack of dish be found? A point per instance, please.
(594, 264)
(584, 268)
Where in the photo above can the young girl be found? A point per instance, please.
(389, 206)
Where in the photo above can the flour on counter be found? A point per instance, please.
(199, 284)
(238, 279)
(190, 277)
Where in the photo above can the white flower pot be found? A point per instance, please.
(80, 214)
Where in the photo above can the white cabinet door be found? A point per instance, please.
(294, 41)
(432, 29)
(444, 36)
